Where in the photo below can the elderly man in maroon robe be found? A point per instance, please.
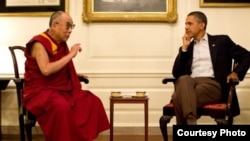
(52, 90)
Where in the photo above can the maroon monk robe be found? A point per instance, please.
(63, 110)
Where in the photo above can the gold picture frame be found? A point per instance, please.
(33, 8)
(167, 12)
(223, 3)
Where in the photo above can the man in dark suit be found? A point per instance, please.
(203, 69)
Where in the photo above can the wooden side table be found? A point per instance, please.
(128, 100)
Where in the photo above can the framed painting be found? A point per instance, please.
(32, 7)
(224, 3)
(129, 11)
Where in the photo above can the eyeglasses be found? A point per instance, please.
(68, 25)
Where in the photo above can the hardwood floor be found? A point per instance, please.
(100, 138)
(131, 138)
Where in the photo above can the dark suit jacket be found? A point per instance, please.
(223, 51)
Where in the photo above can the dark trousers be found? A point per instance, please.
(191, 93)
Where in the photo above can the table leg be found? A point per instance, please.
(0, 115)
(111, 120)
(146, 119)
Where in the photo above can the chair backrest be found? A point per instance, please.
(13, 50)
(18, 80)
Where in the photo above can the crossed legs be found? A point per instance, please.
(191, 93)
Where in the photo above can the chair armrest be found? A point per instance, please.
(168, 79)
(19, 81)
(233, 82)
(232, 85)
(172, 79)
(83, 79)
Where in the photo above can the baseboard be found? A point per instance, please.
(14, 130)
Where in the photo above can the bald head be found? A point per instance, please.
(60, 26)
(55, 16)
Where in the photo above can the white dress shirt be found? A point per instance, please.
(202, 63)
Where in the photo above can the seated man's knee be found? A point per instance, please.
(183, 78)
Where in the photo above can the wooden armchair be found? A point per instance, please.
(26, 119)
(220, 112)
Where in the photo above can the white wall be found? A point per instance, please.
(126, 57)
